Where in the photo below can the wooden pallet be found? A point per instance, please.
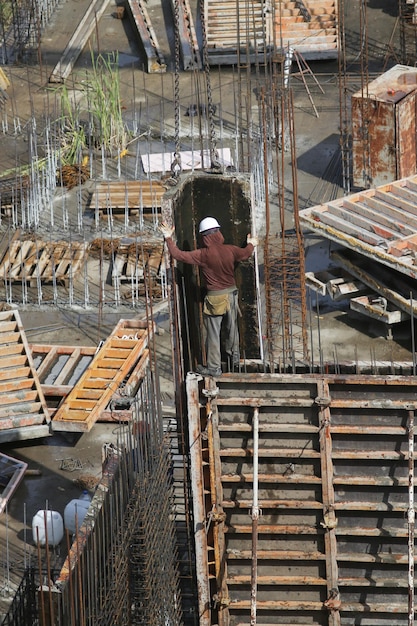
(118, 362)
(23, 410)
(32, 260)
(115, 198)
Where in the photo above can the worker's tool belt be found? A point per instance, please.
(218, 302)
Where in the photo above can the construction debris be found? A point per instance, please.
(12, 473)
(70, 176)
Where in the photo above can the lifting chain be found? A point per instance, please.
(176, 167)
(214, 156)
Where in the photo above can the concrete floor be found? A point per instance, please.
(343, 336)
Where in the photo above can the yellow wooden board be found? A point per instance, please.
(112, 365)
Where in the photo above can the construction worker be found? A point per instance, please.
(217, 261)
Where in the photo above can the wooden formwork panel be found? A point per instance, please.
(119, 361)
(306, 481)
(379, 223)
(32, 261)
(115, 198)
(23, 408)
(309, 27)
(59, 369)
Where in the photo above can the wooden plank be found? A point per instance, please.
(68, 367)
(40, 348)
(268, 428)
(141, 19)
(15, 374)
(345, 227)
(46, 364)
(14, 410)
(9, 349)
(78, 41)
(382, 230)
(9, 338)
(287, 453)
(138, 372)
(16, 385)
(15, 361)
(27, 396)
(277, 580)
(23, 419)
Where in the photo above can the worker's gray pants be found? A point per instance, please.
(213, 326)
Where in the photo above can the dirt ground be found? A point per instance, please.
(343, 336)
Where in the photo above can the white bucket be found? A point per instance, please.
(74, 514)
(47, 525)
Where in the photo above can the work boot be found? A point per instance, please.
(206, 371)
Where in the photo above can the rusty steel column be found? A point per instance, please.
(197, 486)
(255, 518)
(411, 517)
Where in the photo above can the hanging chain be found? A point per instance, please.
(214, 156)
(176, 167)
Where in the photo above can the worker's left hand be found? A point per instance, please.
(167, 231)
(252, 240)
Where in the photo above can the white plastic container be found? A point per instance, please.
(85, 496)
(47, 527)
(74, 514)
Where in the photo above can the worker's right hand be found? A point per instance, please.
(167, 231)
(252, 240)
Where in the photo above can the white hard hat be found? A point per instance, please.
(207, 224)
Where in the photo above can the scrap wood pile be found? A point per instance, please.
(70, 176)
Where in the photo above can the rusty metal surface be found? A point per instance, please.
(334, 469)
(140, 17)
(190, 53)
(383, 128)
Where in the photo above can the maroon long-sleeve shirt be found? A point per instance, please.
(216, 259)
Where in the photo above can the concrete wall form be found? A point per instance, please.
(334, 544)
